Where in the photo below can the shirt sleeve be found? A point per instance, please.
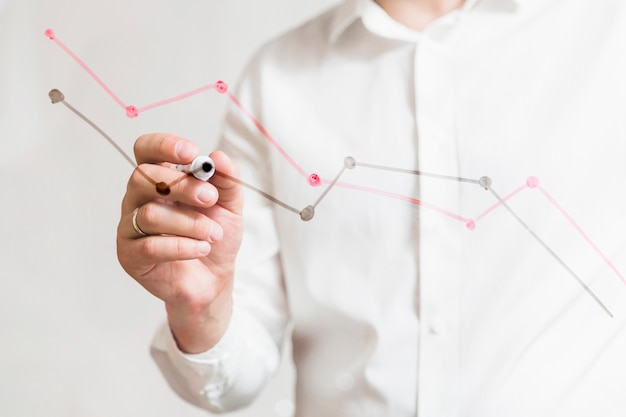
(227, 376)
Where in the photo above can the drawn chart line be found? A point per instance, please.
(410, 200)
(582, 233)
(57, 96)
(499, 202)
(329, 187)
(50, 34)
(162, 188)
(260, 192)
(419, 173)
(178, 97)
(269, 137)
(551, 252)
(222, 87)
(308, 212)
(349, 163)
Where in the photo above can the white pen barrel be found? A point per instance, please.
(202, 168)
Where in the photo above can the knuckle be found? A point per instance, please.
(166, 144)
(151, 247)
(180, 249)
(150, 215)
(200, 225)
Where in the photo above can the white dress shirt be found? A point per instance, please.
(432, 297)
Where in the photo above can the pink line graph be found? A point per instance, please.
(222, 87)
(50, 34)
(584, 235)
(314, 180)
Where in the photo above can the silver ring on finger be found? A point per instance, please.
(140, 232)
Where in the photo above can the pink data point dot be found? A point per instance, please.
(314, 180)
(532, 182)
(49, 34)
(132, 112)
(221, 87)
(471, 225)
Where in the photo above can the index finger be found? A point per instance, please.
(162, 147)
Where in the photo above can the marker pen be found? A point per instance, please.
(203, 168)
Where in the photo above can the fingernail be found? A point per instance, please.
(203, 248)
(216, 233)
(184, 152)
(207, 194)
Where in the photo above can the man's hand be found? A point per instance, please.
(187, 256)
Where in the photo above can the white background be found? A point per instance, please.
(74, 328)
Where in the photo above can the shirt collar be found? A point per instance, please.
(374, 16)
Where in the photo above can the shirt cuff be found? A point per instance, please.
(208, 374)
(227, 376)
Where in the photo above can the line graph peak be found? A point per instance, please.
(532, 182)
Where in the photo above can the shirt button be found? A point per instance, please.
(437, 327)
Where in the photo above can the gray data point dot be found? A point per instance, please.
(56, 96)
(485, 182)
(349, 162)
(307, 213)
